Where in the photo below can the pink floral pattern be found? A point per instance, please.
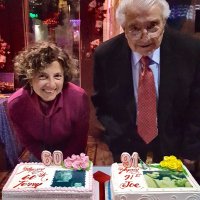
(77, 162)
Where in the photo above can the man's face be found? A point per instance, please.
(144, 29)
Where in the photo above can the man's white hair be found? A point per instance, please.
(131, 5)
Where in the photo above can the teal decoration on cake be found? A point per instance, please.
(109, 191)
(69, 178)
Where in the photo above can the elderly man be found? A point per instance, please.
(147, 85)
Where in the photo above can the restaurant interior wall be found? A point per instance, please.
(97, 24)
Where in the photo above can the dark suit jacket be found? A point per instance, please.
(178, 104)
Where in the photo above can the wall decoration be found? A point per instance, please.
(6, 82)
(179, 11)
(4, 51)
(45, 10)
(96, 9)
(2, 4)
(94, 44)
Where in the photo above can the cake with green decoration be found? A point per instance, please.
(167, 180)
(67, 179)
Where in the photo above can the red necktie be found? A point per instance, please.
(146, 113)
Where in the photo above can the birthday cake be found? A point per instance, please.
(38, 181)
(169, 179)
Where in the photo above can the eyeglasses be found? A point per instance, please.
(152, 32)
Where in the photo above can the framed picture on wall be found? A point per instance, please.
(6, 82)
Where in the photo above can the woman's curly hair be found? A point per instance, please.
(37, 56)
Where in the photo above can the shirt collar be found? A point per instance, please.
(155, 57)
(56, 105)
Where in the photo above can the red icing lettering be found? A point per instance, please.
(129, 184)
(138, 175)
(27, 184)
(126, 177)
(42, 176)
(128, 170)
(31, 170)
(28, 177)
(31, 176)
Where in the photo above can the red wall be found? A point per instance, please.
(11, 29)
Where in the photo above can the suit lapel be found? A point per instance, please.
(126, 80)
(122, 74)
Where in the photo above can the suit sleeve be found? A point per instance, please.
(103, 101)
(191, 144)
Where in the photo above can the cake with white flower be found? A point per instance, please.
(133, 179)
(67, 179)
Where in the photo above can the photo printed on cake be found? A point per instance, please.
(166, 179)
(68, 178)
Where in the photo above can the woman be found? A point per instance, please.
(48, 112)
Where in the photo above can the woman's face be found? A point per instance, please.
(48, 83)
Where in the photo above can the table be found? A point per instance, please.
(3, 97)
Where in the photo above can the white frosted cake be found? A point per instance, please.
(152, 183)
(37, 181)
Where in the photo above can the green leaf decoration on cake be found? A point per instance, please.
(171, 163)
